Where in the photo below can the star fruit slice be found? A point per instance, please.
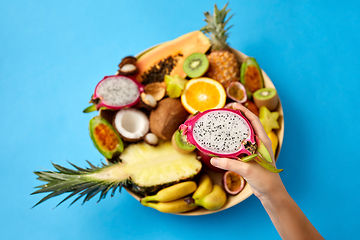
(268, 119)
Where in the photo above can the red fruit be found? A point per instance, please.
(116, 92)
(252, 107)
(205, 159)
(220, 132)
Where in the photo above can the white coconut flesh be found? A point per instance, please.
(131, 123)
(221, 132)
(151, 139)
(118, 91)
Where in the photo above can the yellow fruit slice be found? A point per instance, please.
(274, 141)
(201, 94)
(192, 42)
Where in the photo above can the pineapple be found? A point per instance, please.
(223, 65)
(143, 169)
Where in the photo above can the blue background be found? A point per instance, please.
(52, 53)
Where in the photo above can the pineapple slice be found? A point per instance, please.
(144, 169)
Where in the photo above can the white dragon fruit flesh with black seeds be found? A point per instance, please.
(220, 132)
(117, 92)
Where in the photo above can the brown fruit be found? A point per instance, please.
(252, 107)
(233, 182)
(167, 117)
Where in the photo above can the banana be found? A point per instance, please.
(204, 188)
(172, 193)
(177, 206)
(213, 201)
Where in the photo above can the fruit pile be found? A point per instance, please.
(164, 115)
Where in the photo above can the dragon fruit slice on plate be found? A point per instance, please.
(226, 133)
(115, 92)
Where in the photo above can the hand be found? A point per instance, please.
(263, 182)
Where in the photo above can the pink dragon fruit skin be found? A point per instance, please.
(220, 132)
(117, 92)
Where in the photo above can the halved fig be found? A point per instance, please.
(233, 182)
(132, 124)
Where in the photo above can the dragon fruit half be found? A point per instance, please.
(115, 92)
(220, 132)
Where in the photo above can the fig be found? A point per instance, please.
(233, 182)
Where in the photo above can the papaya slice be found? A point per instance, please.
(179, 49)
(251, 76)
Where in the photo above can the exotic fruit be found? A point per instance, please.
(115, 92)
(143, 169)
(226, 133)
(223, 65)
(220, 132)
(105, 138)
(233, 182)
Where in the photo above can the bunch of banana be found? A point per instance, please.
(209, 196)
(171, 199)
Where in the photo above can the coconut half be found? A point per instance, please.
(132, 124)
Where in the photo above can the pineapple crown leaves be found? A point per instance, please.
(74, 181)
(216, 27)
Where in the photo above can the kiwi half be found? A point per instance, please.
(196, 65)
(179, 142)
(266, 97)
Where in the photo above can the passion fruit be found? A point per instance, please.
(233, 182)
(236, 92)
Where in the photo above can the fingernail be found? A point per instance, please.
(214, 161)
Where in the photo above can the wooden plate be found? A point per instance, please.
(217, 177)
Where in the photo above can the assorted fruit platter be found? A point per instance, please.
(162, 117)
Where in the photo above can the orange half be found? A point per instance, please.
(201, 94)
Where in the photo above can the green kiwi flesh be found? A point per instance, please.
(266, 97)
(180, 144)
(196, 65)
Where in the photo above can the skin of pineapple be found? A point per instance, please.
(223, 67)
(152, 190)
